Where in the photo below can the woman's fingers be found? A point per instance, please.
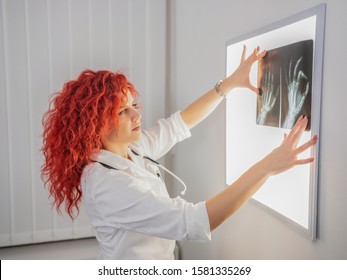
(295, 128)
(300, 131)
(284, 138)
(307, 145)
(243, 56)
(254, 56)
(303, 161)
(254, 89)
(261, 55)
(242, 72)
(286, 155)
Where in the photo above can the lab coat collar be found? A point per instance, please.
(113, 160)
(135, 166)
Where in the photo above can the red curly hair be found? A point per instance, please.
(78, 118)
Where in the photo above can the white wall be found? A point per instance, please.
(201, 29)
(44, 43)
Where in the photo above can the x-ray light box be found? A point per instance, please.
(290, 78)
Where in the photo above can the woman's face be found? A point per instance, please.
(129, 124)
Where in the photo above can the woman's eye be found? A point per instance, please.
(136, 106)
(121, 112)
(125, 110)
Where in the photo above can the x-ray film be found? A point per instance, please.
(285, 83)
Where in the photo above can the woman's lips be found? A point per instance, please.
(137, 128)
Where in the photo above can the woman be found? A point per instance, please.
(94, 148)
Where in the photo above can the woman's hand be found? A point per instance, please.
(203, 106)
(228, 201)
(240, 77)
(285, 156)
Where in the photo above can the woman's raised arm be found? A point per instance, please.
(284, 157)
(204, 106)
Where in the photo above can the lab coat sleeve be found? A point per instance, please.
(159, 139)
(125, 202)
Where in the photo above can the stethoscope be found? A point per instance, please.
(165, 169)
(158, 174)
(168, 171)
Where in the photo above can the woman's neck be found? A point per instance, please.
(121, 150)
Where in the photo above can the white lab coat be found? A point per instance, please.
(130, 208)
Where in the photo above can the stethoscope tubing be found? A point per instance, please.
(158, 174)
(168, 171)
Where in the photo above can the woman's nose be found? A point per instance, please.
(135, 115)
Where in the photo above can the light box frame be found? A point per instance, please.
(241, 105)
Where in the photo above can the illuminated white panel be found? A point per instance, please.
(290, 195)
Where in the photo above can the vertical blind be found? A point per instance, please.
(44, 43)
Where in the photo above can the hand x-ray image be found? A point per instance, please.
(285, 82)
